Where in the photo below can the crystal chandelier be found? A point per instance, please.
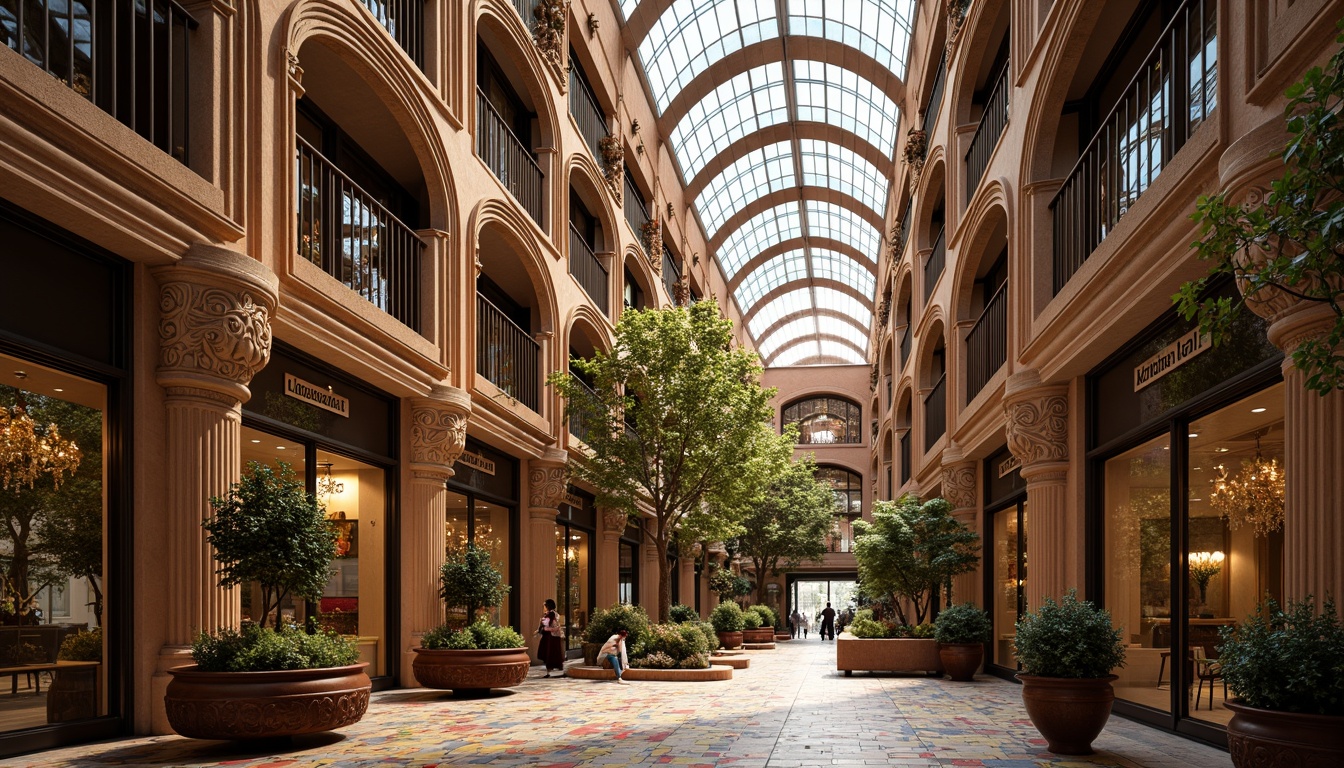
(326, 486)
(28, 451)
(1254, 496)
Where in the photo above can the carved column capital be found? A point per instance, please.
(215, 309)
(438, 431)
(959, 484)
(614, 520)
(1037, 423)
(548, 479)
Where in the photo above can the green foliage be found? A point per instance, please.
(911, 551)
(262, 649)
(751, 620)
(727, 617)
(1289, 247)
(481, 634)
(679, 614)
(865, 626)
(652, 438)
(82, 646)
(728, 585)
(686, 645)
(768, 618)
(604, 623)
(962, 623)
(445, 636)
(1070, 638)
(785, 524)
(469, 582)
(655, 660)
(268, 530)
(1290, 660)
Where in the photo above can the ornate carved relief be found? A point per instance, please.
(438, 432)
(653, 243)
(548, 33)
(959, 484)
(1038, 428)
(220, 332)
(913, 154)
(614, 520)
(548, 485)
(613, 164)
(956, 16)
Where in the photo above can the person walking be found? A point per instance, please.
(614, 651)
(806, 624)
(551, 649)
(795, 623)
(828, 622)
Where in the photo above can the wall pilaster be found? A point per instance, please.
(1037, 425)
(959, 488)
(609, 558)
(547, 481)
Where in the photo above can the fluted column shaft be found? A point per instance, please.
(609, 558)
(548, 479)
(686, 576)
(959, 486)
(1037, 425)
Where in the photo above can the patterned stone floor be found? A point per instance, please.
(790, 709)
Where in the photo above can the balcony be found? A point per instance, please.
(636, 211)
(987, 344)
(129, 59)
(588, 270)
(935, 100)
(905, 457)
(1173, 92)
(905, 345)
(578, 425)
(506, 354)
(356, 240)
(671, 274)
(404, 20)
(933, 268)
(527, 11)
(935, 413)
(507, 158)
(987, 133)
(587, 112)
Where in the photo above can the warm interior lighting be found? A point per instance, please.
(1203, 567)
(1254, 496)
(29, 450)
(326, 486)
(1257, 410)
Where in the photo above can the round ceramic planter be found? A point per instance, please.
(1069, 712)
(1267, 737)
(729, 639)
(961, 660)
(473, 671)
(265, 705)
(763, 635)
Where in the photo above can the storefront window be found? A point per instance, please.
(847, 487)
(825, 420)
(270, 450)
(1010, 579)
(355, 498)
(471, 519)
(626, 585)
(573, 569)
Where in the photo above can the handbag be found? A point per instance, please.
(556, 630)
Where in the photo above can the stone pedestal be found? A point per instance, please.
(1038, 420)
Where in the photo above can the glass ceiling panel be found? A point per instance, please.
(832, 166)
(834, 95)
(628, 7)
(787, 334)
(745, 104)
(836, 266)
(836, 327)
(797, 353)
(753, 175)
(783, 222)
(843, 303)
(769, 276)
(693, 34)
(840, 223)
(879, 28)
(836, 349)
(778, 308)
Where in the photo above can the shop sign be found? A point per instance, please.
(477, 462)
(322, 397)
(1173, 356)
(573, 500)
(1009, 465)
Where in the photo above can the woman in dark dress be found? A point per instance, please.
(551, 651)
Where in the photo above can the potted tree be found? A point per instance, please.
(764, 629)
(469, 654)
(277, 680)
(1286, 669)
(604, 623)
(728, 624)
(962, 631)
(1067, 651)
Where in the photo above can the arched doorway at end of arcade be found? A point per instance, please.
(809, 593)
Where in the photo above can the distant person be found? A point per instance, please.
(614, 651)
(795, 622)
(806, 624)
(551, 649)
(828, 622)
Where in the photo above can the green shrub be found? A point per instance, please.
(867, 628)
(768, 618)
(258, 649)
(82, 646)
(678, 642)
(478, 636)
(1290, 660)
(963, 623)
(696, 661)
(751, 620)
(680, 614)
(445, 637)
(604, 623)
(727, 617)
(655, 660)
(1070, 638)
(920, 631)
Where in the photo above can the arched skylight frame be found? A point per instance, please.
(829, 264)
(832, 348)
(828, 220)
(767, 228)
(756, 174)
(831, 94)
(879, 28)
(827, 164)
(789, 303)
(797, 352)
(785, 268)
(748, 102)
(787, 334)
(691, 35)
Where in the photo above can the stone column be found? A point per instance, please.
(437, 436)
(650, 584)
(609, 558)
(547, 481)
(718, 560)
(1038, 420)
(959, 488)
(214, 335)
(686, 577)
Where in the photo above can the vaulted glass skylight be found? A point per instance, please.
(693, 34)
(801, 350)
(781, 269)
(833, 265)
(834, 167)
(830, 94)
(757, 173)
(778, 308)
(844, 225)
(879, 28)
(767, 228)
(750, 101)
(786, 334)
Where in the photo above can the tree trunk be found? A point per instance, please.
(664, 580)
(759, 565)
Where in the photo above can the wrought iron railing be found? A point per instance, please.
(933, 268)
(405, 21)
(588, 270)
(935, 100)
(1172, 93)
(636, 212)
(506, 354)
(128, 58)
(510, 161)
(987, 344)
(527, 10)
(671, 273)
(578, 425)
(905, 457)
(992, 124)
(587, 112)
(355, 239)
(935, 413)
(905, 343)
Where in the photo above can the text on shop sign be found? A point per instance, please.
(322, 397)
(1172, 356)
(477, 462)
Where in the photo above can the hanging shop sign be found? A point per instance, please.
(477, 462)
(573, 500)
(1172, 356)
(1009, 465)
(322, 397)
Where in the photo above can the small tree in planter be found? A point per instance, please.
(911, 550)
(962, 631)
(1067, 651)
(728, 621)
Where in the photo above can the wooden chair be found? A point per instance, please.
(1207, 670)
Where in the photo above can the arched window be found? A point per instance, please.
(848, 489)
(823, 420)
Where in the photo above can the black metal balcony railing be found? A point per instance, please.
(404, 20)
(935, 413)
(905, 344)
(992, 124)
(905, 457)
(510, 161)
(578, 425)
(889, 378)
(506, 354)
(527, 9)
(588, 270)
(355, 239)
(587, 113)
(636, 212)
(1173, 92)
(987, 344)
(933, 268)
(935, 100)
(905, 228)
(128, 58)
(671, 273)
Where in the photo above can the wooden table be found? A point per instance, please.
(37, 670)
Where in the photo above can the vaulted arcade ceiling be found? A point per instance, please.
(782, 116)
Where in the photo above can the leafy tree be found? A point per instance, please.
(270, 531)
(911, 551)
(675, 416)
(1293, 244)
(787, 523)
(469, 582)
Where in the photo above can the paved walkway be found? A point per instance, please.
(789, 710)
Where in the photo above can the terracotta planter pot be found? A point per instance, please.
(590, 654)
(265, 705)
(473, 671)
(1262, 737)
(74, 693)
(1069, 712)
(961, 660)
(906, 654)
(763, 635)
(729, 639)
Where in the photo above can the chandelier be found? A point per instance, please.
(1254, 496)
(28, 451)
(326, 486)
